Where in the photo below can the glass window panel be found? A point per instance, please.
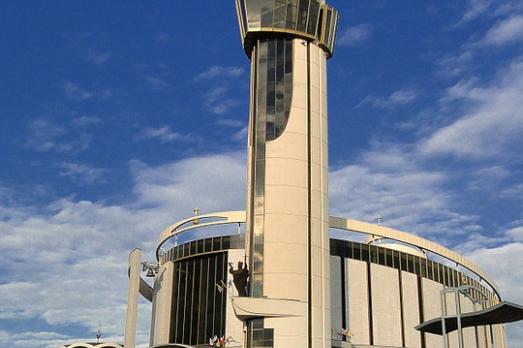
(195, 302)
(267, 7)
(186, 249)
(326, 36)
(174, 303)
(291, 14)
(280, 12)
(381, 256)
(202, 335)
(365, 255)
(410, 263)
(357, 251)
(403, 261)
(216, 243)
(193, 247)
(188, 302)
(396, 259)
(303, 9)
(423, 265)
(254, 10)
(389, 258)
(211, 290)
(243, 13)
(181, 302)
(208, 245)
(313, 17)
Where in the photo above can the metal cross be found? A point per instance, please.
(378, 219)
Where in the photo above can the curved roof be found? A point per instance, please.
(229, 217)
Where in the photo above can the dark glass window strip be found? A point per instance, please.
(207, 245)
(422, 267)
(274, 85)
(198, 309)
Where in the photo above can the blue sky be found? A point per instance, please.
(118, 118)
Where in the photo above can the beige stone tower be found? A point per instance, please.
(288, 43)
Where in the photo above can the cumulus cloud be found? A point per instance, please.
(156, 83)
(96, 57)
(505, 31)
(475, 9)
(76, 92)
(398, 98)
(387, 181)
(70, 259)
(217, 102)
(82, 173)
(355, 36)
(220, 71)
(84, 121)
(492, 121)
(163, 133)
(45, 135)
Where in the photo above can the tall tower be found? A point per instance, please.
(288, 43)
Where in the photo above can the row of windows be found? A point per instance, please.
(420, 266)
(199, 299)
(207, 245)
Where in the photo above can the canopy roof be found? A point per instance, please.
(502, 313)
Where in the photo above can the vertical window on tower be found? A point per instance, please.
(291, 15)
(267, 8)
(280, 11)
(313, 17)
(303, 11)
(271, 87)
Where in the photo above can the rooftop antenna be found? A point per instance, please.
(378, 219)
(98, 334)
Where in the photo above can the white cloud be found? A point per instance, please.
(217, 102)
(70, 259)
(388, 181)
(84, 121)
(505, 31)
(492, 122)
(45, 135)
(355, 36)
(82, 173)
(220, 71)
(96, 57)
(157, 83)
(75, 92)
(164, 134)
(475, 9)
(503, 264)
(398, 98)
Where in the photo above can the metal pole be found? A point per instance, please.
(476, 328)
(443, 316)
(458, 318)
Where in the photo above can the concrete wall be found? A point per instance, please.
(411, 315)
(386, 307)
(162, 296)
(358, 301)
